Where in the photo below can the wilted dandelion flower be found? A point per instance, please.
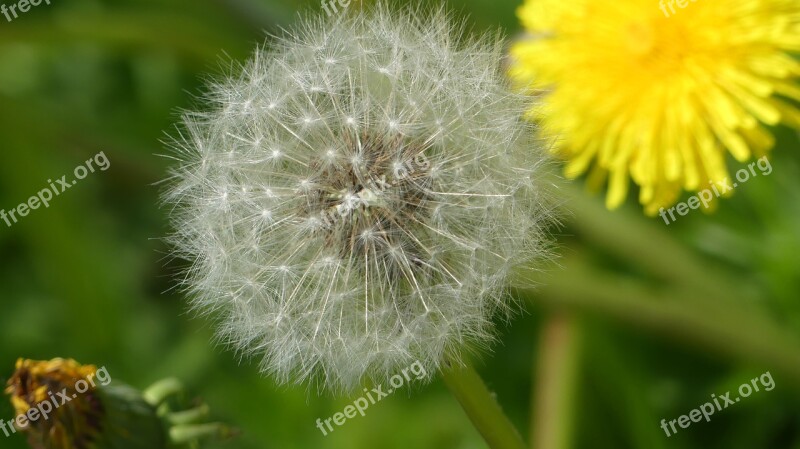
(659, 93)
(66, 405)
(61, 404)
(355, 198)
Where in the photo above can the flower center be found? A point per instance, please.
(371, 203)
(349, 201)
(641, 39)
(660, 46)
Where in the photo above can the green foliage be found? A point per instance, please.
(668, 315)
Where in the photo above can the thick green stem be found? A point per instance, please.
(736, 330)
(481, 407)
(557, 368)
(648, 245)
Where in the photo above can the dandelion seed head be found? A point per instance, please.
(393, 188)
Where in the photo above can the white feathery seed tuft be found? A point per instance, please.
(356, 197)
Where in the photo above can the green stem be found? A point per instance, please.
(481, 407)
(736, 330)
(557, 368)
(646, 244)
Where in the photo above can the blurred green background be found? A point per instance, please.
(638, 321)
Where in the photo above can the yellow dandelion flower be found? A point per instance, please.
(660, 92)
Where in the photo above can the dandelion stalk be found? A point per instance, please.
(638, 242)
(481, 407)
(557, 368)
(741, 332)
